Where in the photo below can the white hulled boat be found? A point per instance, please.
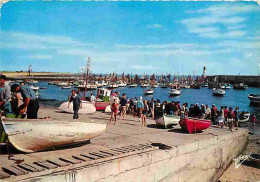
(218, 92)
(149, 91)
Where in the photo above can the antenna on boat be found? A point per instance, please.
(87, 69)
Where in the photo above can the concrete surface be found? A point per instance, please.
(192, 157)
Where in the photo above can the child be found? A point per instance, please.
(114, 110)
(253, 121)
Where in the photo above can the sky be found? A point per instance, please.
(132, 37)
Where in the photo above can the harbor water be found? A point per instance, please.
(54, 95)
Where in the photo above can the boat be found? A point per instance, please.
(133, 85)
(144, 85)
(62, 84)
(154, 85)
(174, 91)
(103, 99)
(227, 86)
(87, 108)
(121, 84)
(244, 117)
(32, 81)
(43, 87)
(164, 86)
(205, 85)
(149, 91)
(218, 92)
(112, 86)
(66, 87)
(193, 125)
(89, 87)
(33, 135)
(255, 99)
(167, 120)
(195, 86)
(34, 88)
(240, 86)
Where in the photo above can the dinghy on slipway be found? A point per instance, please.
(87, 108)
(167, 121)
(32, 135)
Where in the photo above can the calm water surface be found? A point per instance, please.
(202, 96)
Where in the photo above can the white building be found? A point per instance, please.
(204, 72)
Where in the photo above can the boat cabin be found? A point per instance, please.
(103, 94)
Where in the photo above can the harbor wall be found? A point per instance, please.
(203, 160)
(253, 81)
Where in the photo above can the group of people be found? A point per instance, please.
(18, 99)
(223, 116)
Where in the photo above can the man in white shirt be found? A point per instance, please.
(93, 99)
(207, 112)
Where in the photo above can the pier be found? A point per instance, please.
(250, 80)
(129, 152)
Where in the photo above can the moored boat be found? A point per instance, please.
(193, 125)
(32, 135)
(133, 85)
(240, 86)
(66, 87)
(144, 85)
(255, 99)
(112, 86)
(218, 92)
(103, 99)
(149, 91)
(175, 91)
(87, 108)
(167, 120)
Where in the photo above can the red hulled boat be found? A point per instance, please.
(193, 125)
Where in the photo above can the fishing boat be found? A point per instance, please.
(227, 86)
(149, 91)
(167, 121)
(218, 92)
(103, 99)
(66, 87)
(112, 86)
(244, 117)
(87, 108)
(133, 85)
(205, 85)
(255, 99)
(32, 81)
(240, 86)
(34, 88)
(154, 85)
(174, 91)
(144, 85)
(89, 87)
(121, 84)
(62, 84)
(32, 135)
(164, 86)
(193, 125)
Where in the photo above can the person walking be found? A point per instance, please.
(207, 112)
(236, 113)
(77, 104)
(253, 121)
(30, 101)
(230, 118)
(144, 113)
(123, 103)
(5, 95)
(114, 110)
(140, 106)
(93, 99)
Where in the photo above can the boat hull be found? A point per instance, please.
(167, 121)
(193, 125)
(32, 136)
(101, 106)
(87, 108)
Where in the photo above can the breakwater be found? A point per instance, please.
(250, 80)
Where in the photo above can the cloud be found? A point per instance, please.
(154, 26)
(39, 56)
(219, 21)
(28, 41)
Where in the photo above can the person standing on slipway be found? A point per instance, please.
(5, 95)
(77, 104)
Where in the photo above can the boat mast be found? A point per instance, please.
(88, 67)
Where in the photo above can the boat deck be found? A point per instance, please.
(124, 139)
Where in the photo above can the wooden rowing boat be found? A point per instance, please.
(167, 121)
(40, 134)
(193, 125)
(87, 108)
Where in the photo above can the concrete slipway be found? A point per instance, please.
(129, 152)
